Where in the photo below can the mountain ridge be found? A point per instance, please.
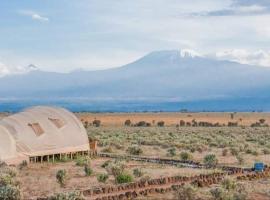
(164, 75)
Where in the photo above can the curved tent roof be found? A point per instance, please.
(41, 131)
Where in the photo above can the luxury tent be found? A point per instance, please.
(41, 133)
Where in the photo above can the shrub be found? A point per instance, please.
(172, 151)
(134, 150)
(88, 170)
(210, 160)
(161, 123)
(224, 152)
(128, 122)
(97, 123)
(182, 123)
(82, 161)
(115, 168)
(9, 192)
(234, 151)
(240, 159)
(124, 178)
(105, 164)
(228, 184)
(219, 194)
(108, 149)
(186, 192)
(141, 123)
(102, 178)
(255, 153)
(137, 172)
(185, 156)
(67, 196)
(23, 164)
(262, 121)
(61, 177)
(266, 151)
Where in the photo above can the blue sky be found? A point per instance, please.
(62, 35)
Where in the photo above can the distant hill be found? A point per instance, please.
(158, 76)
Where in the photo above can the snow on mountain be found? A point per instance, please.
(189, 53)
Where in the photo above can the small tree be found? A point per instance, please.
(97, 123)
(161, 123)
(61, 177)
(210, 160)
(128, 122)
(182, 123)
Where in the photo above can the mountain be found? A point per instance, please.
(159, 76)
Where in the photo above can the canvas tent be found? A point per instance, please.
(39, 132)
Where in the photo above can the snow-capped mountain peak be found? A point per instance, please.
(189, 53)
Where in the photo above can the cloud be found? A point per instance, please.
(39, 18)
(7, 70)
(260, 57)
(34, 15)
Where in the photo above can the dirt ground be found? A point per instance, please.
(39, 175)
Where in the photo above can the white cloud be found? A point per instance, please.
(260, 57)
(40, 18)
(7, 70)
(250, 9)
(34, 15)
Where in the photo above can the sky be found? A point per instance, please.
(64, 35)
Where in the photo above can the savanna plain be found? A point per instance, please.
(212, 141)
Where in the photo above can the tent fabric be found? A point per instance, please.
(41, 130)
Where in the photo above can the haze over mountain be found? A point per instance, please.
(158, 76)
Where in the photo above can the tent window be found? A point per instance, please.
(57, 122)
(36, 128)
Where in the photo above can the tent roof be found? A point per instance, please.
(42, 130)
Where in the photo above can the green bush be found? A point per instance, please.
(88, 170)
(102, 178)
(210, 160)
(124, 178)
(61, 177)
(171, 151)
(185, 156)
(115, 168)
(82, 161)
